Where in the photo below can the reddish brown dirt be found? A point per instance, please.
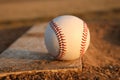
(101, 62)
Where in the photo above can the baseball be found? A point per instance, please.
(67, 37)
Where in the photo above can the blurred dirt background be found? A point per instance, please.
(102, 59)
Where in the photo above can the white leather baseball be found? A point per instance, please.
(67, 37)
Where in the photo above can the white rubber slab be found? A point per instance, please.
(29, 53)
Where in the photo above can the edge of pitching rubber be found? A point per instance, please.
(37, 71)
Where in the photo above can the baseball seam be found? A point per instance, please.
(61, 39)
(84, 39)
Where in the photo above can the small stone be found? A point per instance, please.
(96, 78)
(111, 67)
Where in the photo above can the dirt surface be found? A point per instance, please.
(102, 59)
(13, 10)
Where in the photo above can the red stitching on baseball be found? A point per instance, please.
(84, 38)
(61, 39)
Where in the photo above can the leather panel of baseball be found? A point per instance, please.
(72, 29)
